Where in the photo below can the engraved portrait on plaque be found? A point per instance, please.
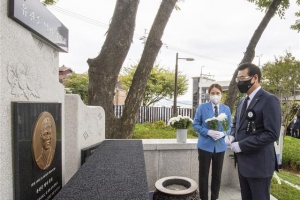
(37, 155)
(44, 140)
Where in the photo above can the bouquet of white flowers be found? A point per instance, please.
(213, 123)
(180, 122)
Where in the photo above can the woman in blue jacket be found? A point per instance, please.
(211, 144)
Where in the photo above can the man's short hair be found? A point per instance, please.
(252, 69)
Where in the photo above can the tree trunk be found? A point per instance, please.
(105, 68)
(250, 51)
(139, 82)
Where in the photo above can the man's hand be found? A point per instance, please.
(228, 140)
(215, 134)
(235, 147)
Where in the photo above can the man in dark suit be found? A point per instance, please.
(253, 134)
(295, 125)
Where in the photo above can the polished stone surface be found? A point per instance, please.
(30, 182)
(87, 152)
(32, 15)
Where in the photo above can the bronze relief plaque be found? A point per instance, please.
(44, 140)
(37, 155)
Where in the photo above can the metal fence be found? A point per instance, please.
(153, 114)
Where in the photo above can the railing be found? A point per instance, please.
(153, 114)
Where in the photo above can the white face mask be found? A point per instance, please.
(215, 98)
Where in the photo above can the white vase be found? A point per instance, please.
(181, 135)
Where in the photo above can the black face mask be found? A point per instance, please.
(244, 86)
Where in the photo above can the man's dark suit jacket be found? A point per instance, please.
(295, 125)
(258, 157)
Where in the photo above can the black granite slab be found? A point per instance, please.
(116, 170)
(36, 17)
(30, 182)
(87, 152)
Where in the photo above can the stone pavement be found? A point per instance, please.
(232, 193)
(228, 193)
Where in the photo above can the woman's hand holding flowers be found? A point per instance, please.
(215, 134)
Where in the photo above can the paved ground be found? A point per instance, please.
(232, 193)
(228, 193)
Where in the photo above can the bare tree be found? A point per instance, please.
(104, 69)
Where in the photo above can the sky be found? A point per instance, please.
(213, 32)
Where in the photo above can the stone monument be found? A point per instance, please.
(42, 129)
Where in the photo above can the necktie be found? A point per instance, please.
(216, 111)
(244, 106)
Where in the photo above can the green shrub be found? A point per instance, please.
(159, 124)
(290, 161)
(142, 127)
(192, 131)
(290, 153)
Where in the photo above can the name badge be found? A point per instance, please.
(250, 115)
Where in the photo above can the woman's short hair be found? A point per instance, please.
(215, 85)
